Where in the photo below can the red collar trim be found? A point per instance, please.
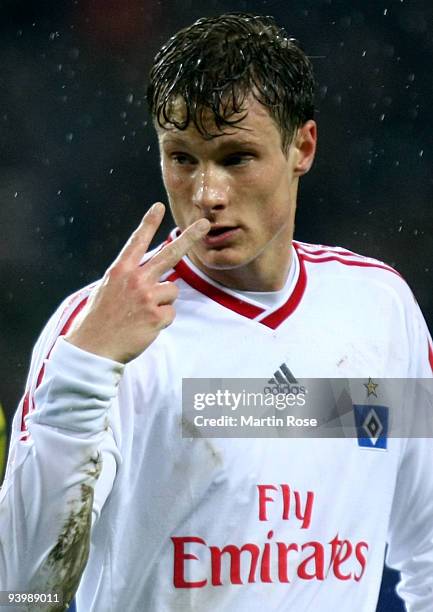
(218, 295)
(272, 320)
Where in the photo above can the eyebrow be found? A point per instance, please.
(234, 142)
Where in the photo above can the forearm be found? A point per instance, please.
(46, 501)
(410, 548)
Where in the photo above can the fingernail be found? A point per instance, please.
(202, 225)
(157, 207)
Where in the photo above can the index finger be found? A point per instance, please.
(140, 239)
(173, 252)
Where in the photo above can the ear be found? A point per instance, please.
(304, 144)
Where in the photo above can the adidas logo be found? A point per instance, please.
(282, 376)
(284, 382)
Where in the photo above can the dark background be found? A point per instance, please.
(79, 162)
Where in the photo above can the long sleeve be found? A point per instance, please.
(410, 540)
(55, 460)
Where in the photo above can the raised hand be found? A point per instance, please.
(130, 306)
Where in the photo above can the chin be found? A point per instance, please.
(225, 259)
(222, 260)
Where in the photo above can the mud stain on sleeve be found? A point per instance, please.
(61, 571)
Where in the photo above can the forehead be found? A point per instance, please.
(255, 125)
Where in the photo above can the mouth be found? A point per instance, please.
(219, 234)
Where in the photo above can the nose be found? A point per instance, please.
(211, 189)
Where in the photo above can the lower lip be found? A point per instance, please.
(221, 239)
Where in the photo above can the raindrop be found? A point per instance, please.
(69, 137)
(364, 53)
(16, 194)
(111, 170)
(19, 33)
(148, 148)
(71, 219)
(411, 77)
(59, 192)
(74, 53)
(130, 98)
(385, 11)
(400, 227)
(415, 232)
(54, 35)
(421, 153)
(123, 115)
(382, 117)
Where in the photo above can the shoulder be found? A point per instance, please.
(335, 261)
(372, 288)
(320, 253)
(356, 279)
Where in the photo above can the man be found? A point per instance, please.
(217, 523)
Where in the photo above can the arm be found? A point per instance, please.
(410, 539)
(47, 497)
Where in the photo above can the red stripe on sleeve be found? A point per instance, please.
(28, 403)
(348, 262)
(430, 354)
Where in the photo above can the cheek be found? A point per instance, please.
(172, 177)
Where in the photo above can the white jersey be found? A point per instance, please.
(231, 525)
